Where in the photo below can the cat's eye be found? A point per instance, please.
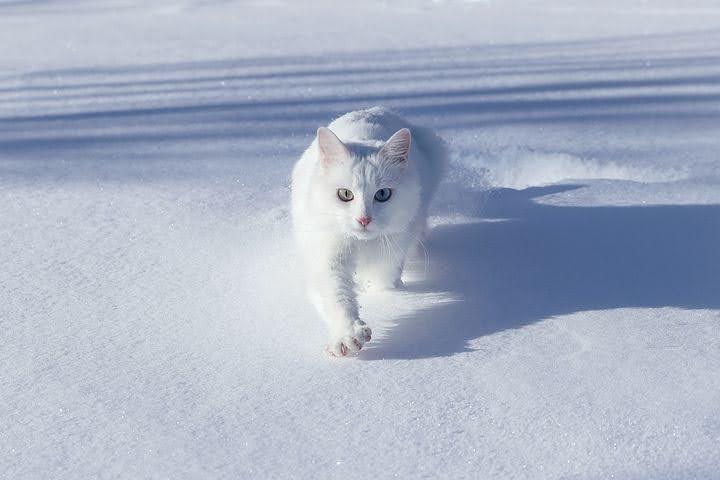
(383, 195)
(345, 195)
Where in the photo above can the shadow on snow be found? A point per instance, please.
(541, 261)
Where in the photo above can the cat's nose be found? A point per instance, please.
(364, 221)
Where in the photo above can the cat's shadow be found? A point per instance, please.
(528, 261)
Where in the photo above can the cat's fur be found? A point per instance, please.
(362, 151)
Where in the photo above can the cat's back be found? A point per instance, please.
(371, 126)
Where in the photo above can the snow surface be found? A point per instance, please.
(565, 323)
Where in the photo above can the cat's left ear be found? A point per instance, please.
(397, 148)
(330, 147)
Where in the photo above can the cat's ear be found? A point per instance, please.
(330, 148)
(397, 148)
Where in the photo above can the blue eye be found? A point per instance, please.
(383, 195)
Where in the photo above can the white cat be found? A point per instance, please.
(360, 198)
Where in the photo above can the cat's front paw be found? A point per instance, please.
(351, 341)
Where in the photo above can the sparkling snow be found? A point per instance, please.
(565, 323)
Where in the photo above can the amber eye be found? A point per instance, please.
(383, 195)
(345, 195)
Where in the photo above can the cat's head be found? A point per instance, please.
(369, 191)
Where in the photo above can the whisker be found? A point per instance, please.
(397, 251)
(386, 243)
(426, 255)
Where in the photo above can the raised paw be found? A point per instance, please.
(351, 342)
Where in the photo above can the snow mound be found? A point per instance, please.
(522, 167)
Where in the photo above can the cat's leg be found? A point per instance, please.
(332, 290)
(382, 265)
(381, 261)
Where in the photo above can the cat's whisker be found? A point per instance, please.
(391, 248)
(396, 252)
(426, 255)
(384, 248)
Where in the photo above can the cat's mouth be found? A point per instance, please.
(364, 234)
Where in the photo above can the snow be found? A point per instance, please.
(563, 325)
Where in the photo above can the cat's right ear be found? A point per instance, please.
(330, 148)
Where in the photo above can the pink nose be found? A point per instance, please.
(364, 221)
